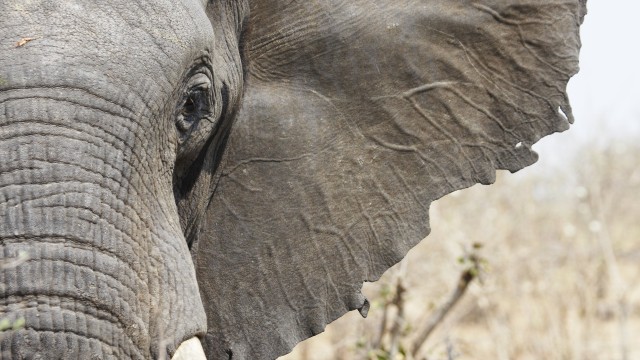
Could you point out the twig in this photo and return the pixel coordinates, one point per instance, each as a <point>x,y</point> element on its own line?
<point>383,327</point>
<point>436,318</point>
<point>396,329</point>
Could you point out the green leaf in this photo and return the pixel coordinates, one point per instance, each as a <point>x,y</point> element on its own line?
<point>19,324</point>
<point>5,324</point>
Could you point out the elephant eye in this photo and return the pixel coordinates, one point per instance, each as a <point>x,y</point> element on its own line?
<point>189,106</point>
<point>196,105</point>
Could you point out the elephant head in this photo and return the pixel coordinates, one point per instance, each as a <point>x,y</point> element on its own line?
<point>234,170</point>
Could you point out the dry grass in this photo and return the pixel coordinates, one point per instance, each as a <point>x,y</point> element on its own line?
<point>561,279</point>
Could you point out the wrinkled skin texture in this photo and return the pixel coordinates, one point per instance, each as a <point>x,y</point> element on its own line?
<point>234,170</point>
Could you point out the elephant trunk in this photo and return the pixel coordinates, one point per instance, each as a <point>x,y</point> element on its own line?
<point>61,215</point>
<point>82,276</point>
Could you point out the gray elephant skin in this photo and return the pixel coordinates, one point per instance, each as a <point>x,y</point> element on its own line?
<point>234,170</point>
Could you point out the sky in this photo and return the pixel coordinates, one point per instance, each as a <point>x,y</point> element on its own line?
<point>605,94</point>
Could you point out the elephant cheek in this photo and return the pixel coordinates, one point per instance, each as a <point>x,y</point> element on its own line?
<point>101,269</point>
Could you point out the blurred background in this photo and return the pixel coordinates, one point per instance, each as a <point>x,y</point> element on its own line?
<point>541,265</point>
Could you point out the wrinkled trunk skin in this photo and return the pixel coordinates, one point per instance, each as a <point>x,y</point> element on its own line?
<point>107,274</point>
<point>88,146</point>
<point>58,210</point>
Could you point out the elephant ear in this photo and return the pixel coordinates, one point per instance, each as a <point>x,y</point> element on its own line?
<point>356,116</point>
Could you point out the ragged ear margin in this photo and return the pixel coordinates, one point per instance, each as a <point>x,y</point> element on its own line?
<point>356,116</point>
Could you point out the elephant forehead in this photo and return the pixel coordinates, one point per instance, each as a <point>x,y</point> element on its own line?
<point>118,40</point>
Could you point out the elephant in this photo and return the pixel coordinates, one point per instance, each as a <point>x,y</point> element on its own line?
<point>228,173</point>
